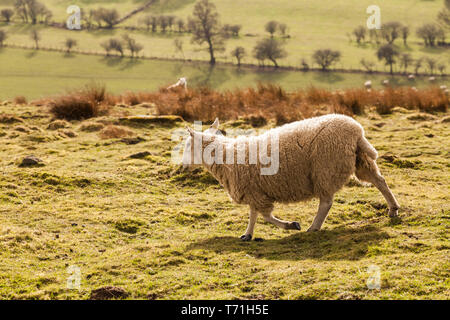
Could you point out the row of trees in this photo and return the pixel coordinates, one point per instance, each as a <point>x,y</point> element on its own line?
<point>431,33</point>
<point>391,56</point>
<point>274,26</point>
<point>29,11</point>
<point>101,18</point>
<point>120,45</point>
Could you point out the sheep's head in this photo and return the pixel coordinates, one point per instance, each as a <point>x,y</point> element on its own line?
<point>193,148</point>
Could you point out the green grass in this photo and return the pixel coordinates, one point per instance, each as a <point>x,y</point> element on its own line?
<point>37,74</point>
<point>311,25</point>
<point>160,234</point>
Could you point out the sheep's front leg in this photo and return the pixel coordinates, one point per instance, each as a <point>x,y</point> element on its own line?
<point>324,208</point>
<point>247,236</point>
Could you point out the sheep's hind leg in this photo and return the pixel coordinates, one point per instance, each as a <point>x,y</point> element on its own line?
<point>324,208</point>
<point>288,225</point>
<point>379,182</point>
<point>247,236</point>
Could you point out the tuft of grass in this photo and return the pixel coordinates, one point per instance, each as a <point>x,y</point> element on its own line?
<point>91,101</point>
<point>20,100</point>
<point>115,132</point>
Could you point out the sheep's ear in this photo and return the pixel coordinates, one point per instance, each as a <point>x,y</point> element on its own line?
<point>191,132</point>
<point>215,125</point>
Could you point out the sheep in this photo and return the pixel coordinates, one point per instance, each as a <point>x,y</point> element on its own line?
<point>316,157</point>
<point>432,79</point>
<point>411,77</point>
<point>182,82</point>
<point>368,84</point>
<point>385,82</point>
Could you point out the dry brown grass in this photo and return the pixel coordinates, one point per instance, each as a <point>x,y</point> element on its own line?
<point>20,100</point>
<point>266,101</point>
<point>115,132</point>
<point>91,101</point>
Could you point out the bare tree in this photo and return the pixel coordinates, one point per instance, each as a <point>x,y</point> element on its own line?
<point>367,65</point>
<point>431,63</point>
<point>239,54</point>
<point>147,21</point>
<point>271,27</point>
<point>36,37</point>
<point>430,32</point>
<point>360,33</point>
<point>32,11</point>
<point>388,53</point>
<point>441,67</point>
<point>3,36</point>
<point>405,61</point>
<point>405,34</point>
<point>205,28</point>
<point>113,45</point>
<point>132,45</point>
<point>444,15</point>
<point>7,14</point>
<point>283,29</point>
<point>163,23</point>
<point>69,44</point>
<point>180,25</point>
<point>418,65</point>
<point>269,49</point>
<point>235,29</point>
<point>326,58</point>
<point>375,35</point>
<point>171,21</point>
<point>178,43</point>
<point>390,31</point>
<point>109,16</point>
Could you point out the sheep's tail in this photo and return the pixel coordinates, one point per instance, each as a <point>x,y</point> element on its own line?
<point>364,146</point>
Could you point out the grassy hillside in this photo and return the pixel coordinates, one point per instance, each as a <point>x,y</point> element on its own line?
<point>311,26</point>
<point>142,225</point>
<point>37,74</point>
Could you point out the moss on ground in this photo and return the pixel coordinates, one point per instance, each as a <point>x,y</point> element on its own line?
<point>159,233</point>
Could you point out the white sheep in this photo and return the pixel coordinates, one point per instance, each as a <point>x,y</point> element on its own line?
<point>368,84</point>
<point>182,82</point>
<point>385,82</point>
<point>316,158</point>
<point>411,77</point>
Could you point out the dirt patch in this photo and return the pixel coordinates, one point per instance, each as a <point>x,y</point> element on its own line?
<point>421,117</point>
<point>115,132</point>
<point>58,124</point>
<point>92,127</point>
<point>109,292</point>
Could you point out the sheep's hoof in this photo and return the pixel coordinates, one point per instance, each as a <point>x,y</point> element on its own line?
<point>393,213</point>
<point>294,225</point>
<point>246,237</point>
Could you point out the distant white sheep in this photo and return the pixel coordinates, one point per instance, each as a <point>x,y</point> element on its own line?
<point>316,158</point>
<point>385,82</point>
<point>368,84</point>
<point>411,77</point>
<point>182,82</point>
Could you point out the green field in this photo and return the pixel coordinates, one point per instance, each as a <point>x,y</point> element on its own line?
<point>312,26</point>
<point>37,74</point>
<point>157,233</point>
